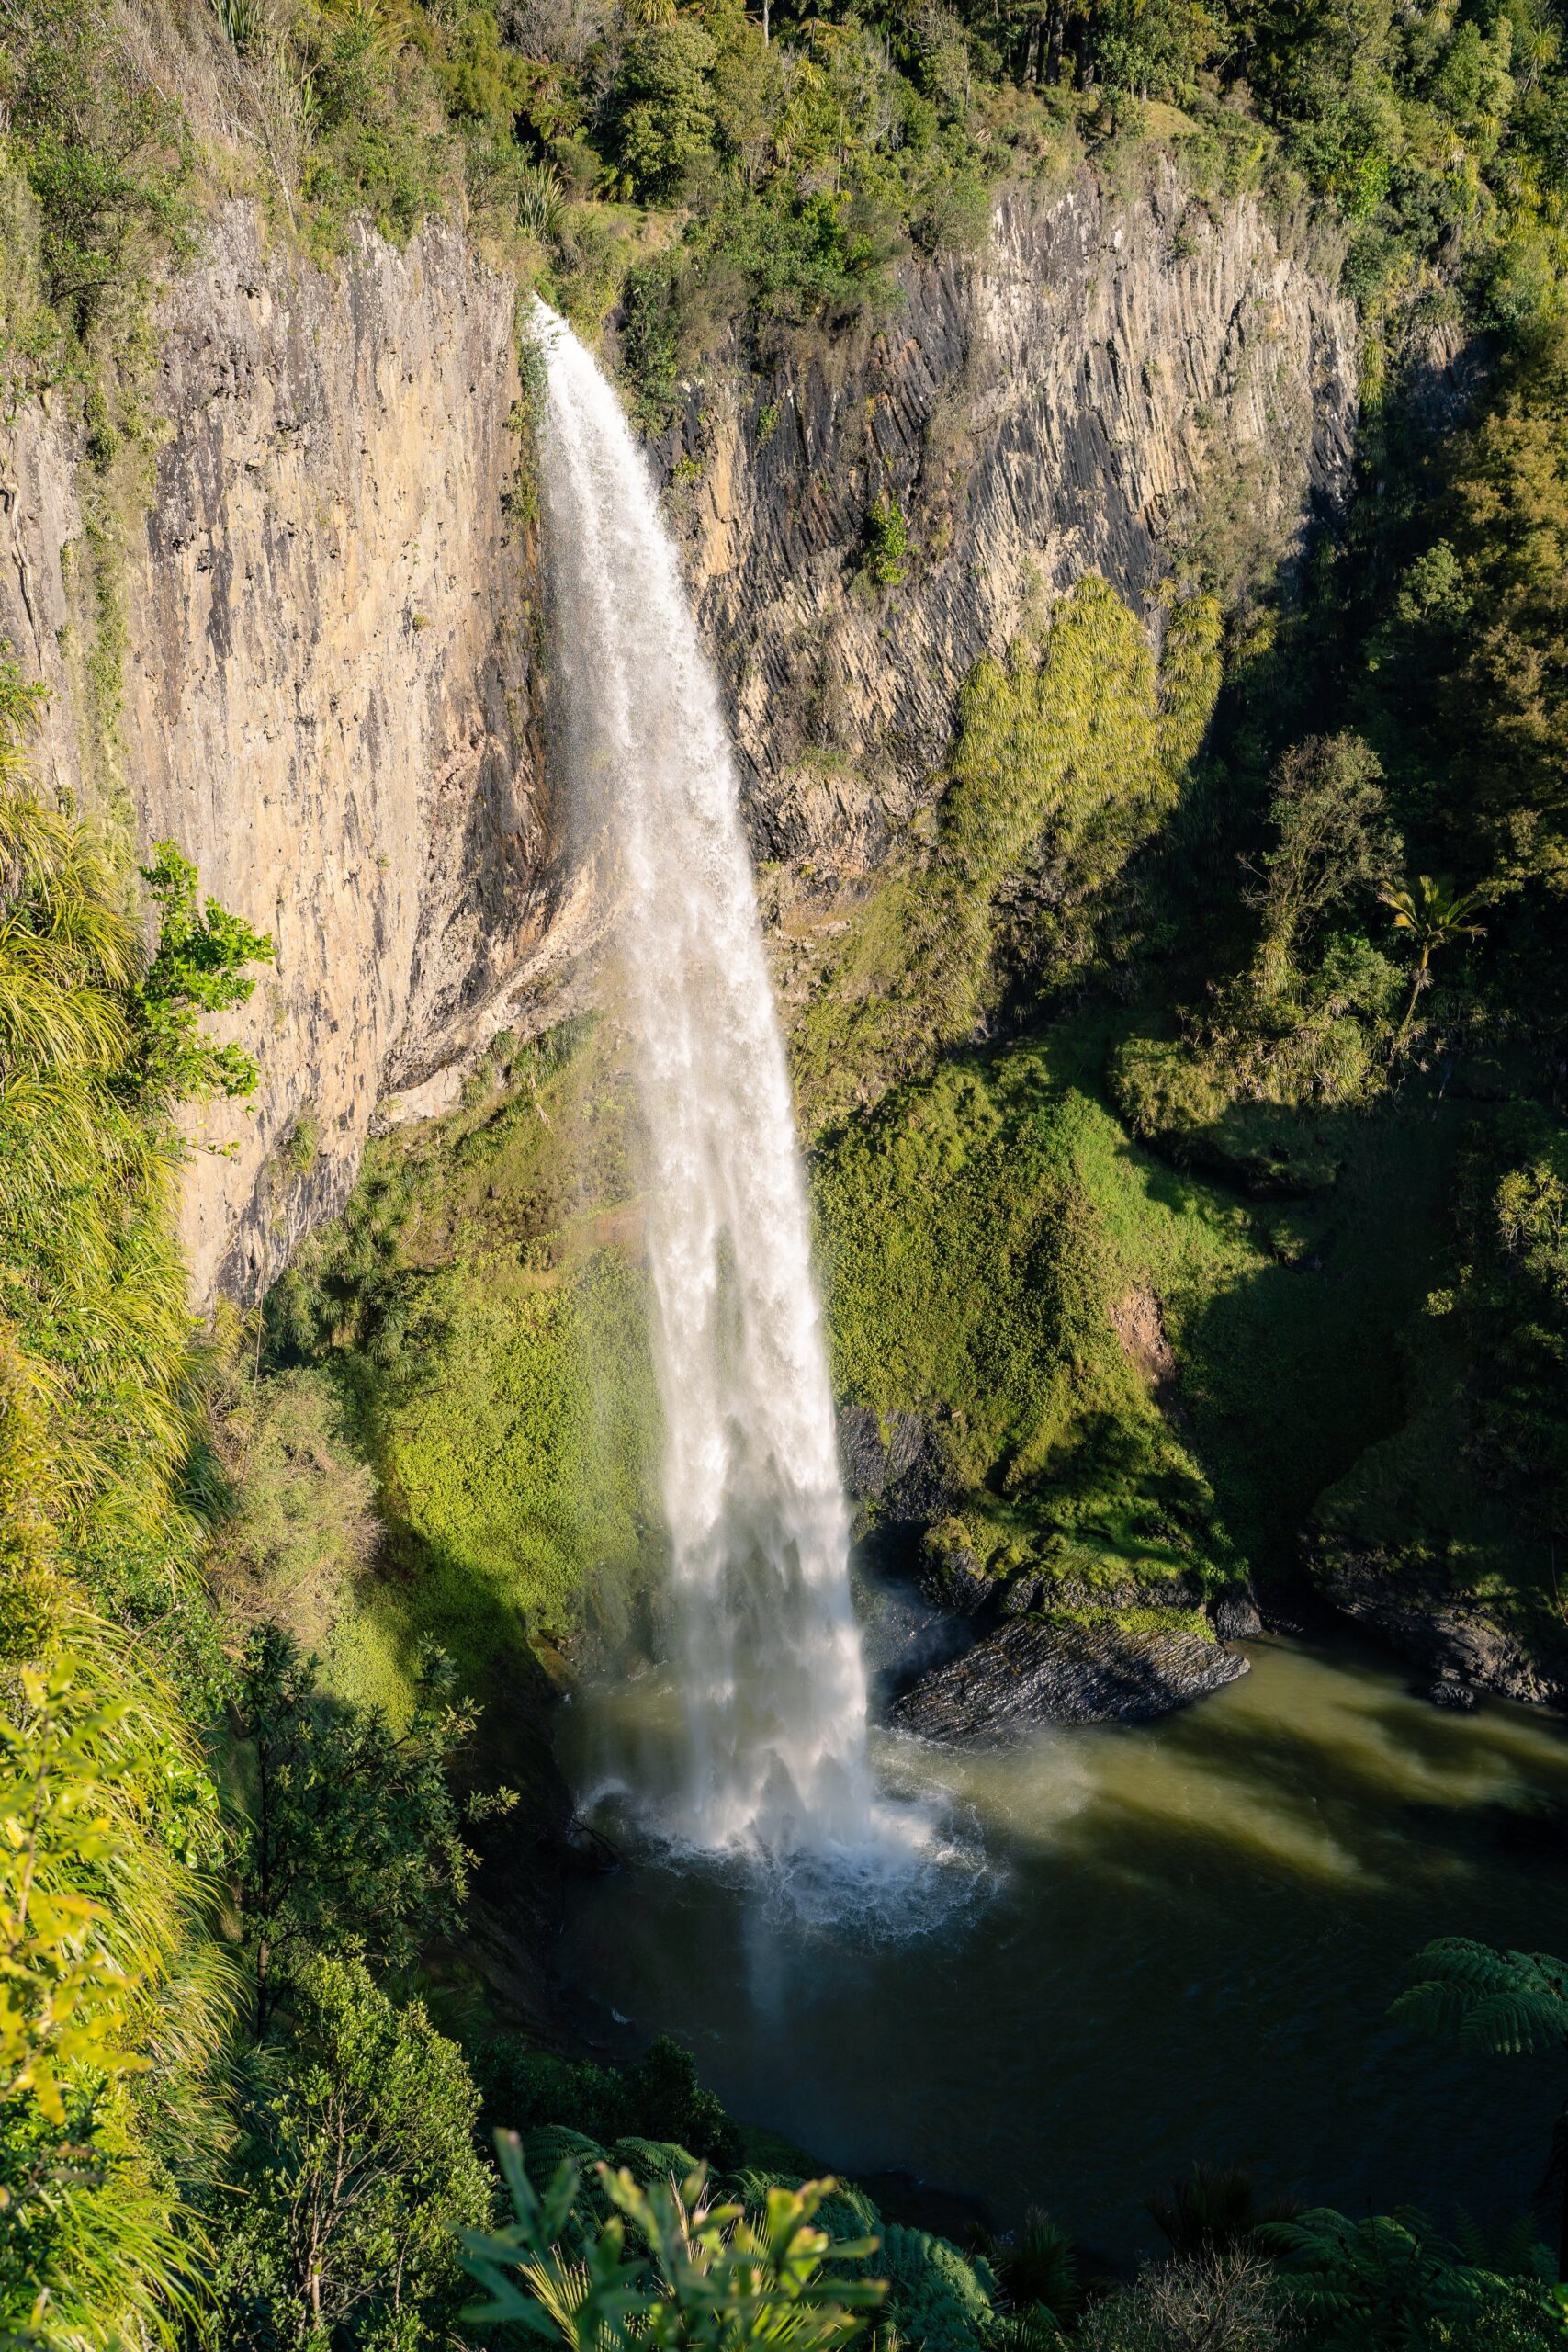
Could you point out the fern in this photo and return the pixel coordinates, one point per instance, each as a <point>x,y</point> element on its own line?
<point>1509,2002</point>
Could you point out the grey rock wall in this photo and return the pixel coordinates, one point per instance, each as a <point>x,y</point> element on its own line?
<point>1113,380</point>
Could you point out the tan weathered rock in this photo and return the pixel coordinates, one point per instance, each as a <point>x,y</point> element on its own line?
<point>328,688</point>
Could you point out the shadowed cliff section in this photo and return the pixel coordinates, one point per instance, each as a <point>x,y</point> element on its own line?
<point>1130,384</point>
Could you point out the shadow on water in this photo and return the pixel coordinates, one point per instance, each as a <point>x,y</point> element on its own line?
<point>1146,1946</point>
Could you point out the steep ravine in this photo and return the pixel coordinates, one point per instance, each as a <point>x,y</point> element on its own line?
<point>332,606</point>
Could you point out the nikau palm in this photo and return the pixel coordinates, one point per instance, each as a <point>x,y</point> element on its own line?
<point>1434,915</point>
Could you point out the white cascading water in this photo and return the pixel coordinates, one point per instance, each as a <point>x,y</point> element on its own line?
<point>771,1676</point>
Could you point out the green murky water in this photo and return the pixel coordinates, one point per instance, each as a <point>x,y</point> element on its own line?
<point>1129,1949</point>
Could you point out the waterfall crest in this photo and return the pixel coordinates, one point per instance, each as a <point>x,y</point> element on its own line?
<point>771,1676</point>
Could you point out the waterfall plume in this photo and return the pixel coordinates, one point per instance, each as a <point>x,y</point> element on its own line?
<point>771,1679</point>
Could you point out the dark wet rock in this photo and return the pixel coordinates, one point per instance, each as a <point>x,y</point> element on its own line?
<point>893,1468</point>
<point>1448,1691</point>
<point>1451,1636</point>
<point>951,1577</point>
<point>584,1852</point>
<point>1042,1670</point>
<point>1233,1612</point>
<point>902,1636</point>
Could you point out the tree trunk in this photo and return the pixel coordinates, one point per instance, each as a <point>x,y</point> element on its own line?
<point>1417,985</point>
<point>1053,43</point>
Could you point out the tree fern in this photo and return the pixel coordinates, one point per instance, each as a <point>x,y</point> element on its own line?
<point>1509,2002</point>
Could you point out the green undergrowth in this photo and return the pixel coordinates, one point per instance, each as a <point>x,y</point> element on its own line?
<point>1068,755</point>
<point>1465,1495</point>
<point>1001,1258</point>
<point>1136,1375</point>
<point>484,1326</point>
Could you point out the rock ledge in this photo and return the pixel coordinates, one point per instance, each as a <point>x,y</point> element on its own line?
<point>1034,1670</point>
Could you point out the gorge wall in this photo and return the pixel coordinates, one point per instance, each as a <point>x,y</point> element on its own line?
<point>330,681</point>
<point>1116,382</point>
<point>329,622</point>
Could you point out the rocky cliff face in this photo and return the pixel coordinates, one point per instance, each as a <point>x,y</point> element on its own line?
<point>1113,384</point>
<point>328,684</point>
<point>329,620</point>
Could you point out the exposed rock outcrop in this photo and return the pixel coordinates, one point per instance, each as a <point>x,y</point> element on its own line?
<point>330,614</point>
<point>1045,1670</point>
<point>327,686</point>
<point>1114,379</point>
<point>1456,1643</point>
<point>893,1468</point>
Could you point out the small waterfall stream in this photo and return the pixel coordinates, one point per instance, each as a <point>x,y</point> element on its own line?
<point>771,1674</point>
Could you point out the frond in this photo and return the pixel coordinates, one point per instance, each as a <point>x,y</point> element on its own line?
<point>1506,2002</point>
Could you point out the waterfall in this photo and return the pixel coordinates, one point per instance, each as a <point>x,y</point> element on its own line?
<point>771,1679</point>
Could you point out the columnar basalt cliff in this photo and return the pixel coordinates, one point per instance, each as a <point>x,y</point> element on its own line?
<point>328,690</point>
<point>327,686</point>
<point>1116,382</point>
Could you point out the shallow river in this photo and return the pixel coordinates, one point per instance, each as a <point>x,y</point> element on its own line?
<point>1126,1948</point>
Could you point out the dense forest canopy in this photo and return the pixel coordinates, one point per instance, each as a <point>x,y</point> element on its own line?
<point>1286,898</point>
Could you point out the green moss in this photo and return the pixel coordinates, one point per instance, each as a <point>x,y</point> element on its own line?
<point>479,1309</point>
<point>1134,1622</point>
<point>1067,756</point>
<point>977,1233</point>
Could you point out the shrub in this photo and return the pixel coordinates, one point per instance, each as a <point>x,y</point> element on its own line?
<point>352,1828</point>
<point>1225,2302</point>
<point>106,153</point>
<point>658,2098</point>
<point>301,1520</point>
<point>701,2274</point>
<point>198,968</point>
<point>886,542</point>
<point>664,105</point>
<point>938,2302</point>
<point>360,2169</point>
<point>1163,1086</point>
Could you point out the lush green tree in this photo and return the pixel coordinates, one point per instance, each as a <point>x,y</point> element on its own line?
<point>1432,915</point>
<point>1390,2281</point>
<point>351,1828</point>
<point>660,2098</point>
<point>665,105</point>
<point>1508,692</point>
<point>105,151</point>
<point>1333,848</point>
<point>358,2169</point>
<point>197,968</point>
